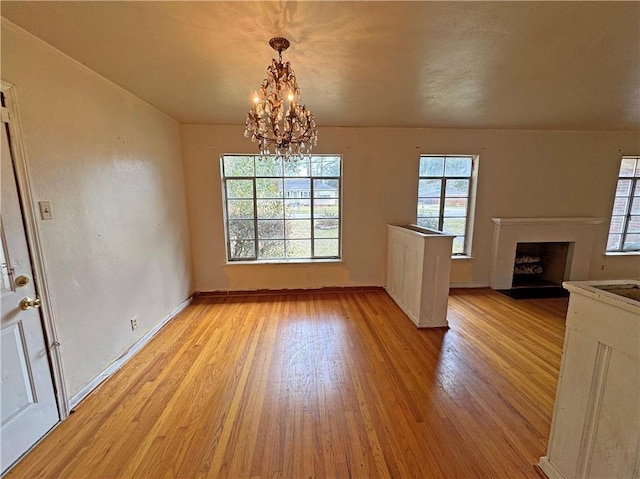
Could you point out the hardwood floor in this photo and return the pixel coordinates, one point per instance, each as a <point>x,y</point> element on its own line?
<point>322,386</point>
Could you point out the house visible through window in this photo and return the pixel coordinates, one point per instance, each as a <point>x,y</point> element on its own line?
<point>445,196</point>
<point>281,210</point>
<point>624,231</point>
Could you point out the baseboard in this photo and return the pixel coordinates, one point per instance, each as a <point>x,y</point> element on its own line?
<point>548,469</point>
<point>468,285</point>
<point>118,363</point>
<point>325,290</point>
<point>272,292</point>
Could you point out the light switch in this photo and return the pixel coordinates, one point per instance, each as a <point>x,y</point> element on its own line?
<point>45,210</point>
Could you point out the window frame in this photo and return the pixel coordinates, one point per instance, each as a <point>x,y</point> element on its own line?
<point>471,197</point>
<point>256,259</point>
<point>634,188</point>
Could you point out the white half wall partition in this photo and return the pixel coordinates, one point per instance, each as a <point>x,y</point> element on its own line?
<point>418,273</point>
<point>595,430</point>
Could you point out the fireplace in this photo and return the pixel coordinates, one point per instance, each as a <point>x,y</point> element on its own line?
<point>571,242</point>
<point>540,265</point>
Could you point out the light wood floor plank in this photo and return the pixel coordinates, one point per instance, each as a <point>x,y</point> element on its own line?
<point>322,385</point>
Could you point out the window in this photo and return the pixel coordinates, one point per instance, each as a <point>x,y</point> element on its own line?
<point>279,210</point>
<point>624,232</point>
<point>445,199</point>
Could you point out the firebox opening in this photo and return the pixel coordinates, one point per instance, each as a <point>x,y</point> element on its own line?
<point>540,264</point>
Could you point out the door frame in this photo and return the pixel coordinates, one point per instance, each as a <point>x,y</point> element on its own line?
<point>47,314</point>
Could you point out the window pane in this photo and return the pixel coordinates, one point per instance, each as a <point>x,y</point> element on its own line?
<point>458,245</point>
<point>431,223</point>
<point>631,242</point>
<point>326,188</point>
<point>325,165</point>
<point>454,225</point>
<point>270,208</point>
<point>296,167</point>
<point>457,188</point>
<point>299,248</point>
<point>457,166</point>
<point>623,188</point>
<point>326,228</point>
<point>455,207</point>
<point>628,166</point>
<point>239,189</point>
<point>271,249</point>
<point>613,242</point>
<point>429,188</point>
<point>279,195</point>
<point>456,173</point>
<point>325,209</point>
<point>241,229</point>
<point>326,247</point>
<point>268,188</point>
<point>620,206</point>
<point>269,166</point>
<point>242,249</point>
<point>634,224</point>
<point>297,188</point>
<point>297,229</point>
<point>300,208</point>
<point>428,207</point>
<point>270,229</point>
<point>238,166</point>
<point>431,166</point>
<point>617,224</point>
<point>635,205</point>
<point>239,209</point>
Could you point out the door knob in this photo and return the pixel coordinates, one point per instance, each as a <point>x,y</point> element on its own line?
<point>28,303</point>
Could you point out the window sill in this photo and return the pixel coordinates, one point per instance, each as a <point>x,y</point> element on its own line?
<point>285,262</point>
<point>622,253</point>
<point>461,256</point>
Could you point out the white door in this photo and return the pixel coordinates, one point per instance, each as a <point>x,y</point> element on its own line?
<point>28,404</point>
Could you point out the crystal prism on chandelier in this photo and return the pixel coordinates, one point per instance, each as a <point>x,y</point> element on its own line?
<point>278,122</point>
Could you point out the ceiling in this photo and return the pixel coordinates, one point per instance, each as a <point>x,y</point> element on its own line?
<point>512,65</point>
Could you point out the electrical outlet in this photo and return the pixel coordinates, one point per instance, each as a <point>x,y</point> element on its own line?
<point>134,323</point>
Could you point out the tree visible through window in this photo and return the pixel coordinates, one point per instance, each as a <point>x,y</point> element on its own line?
<point>624,231</point>
<point>444,196</point>
<point>281,210</point>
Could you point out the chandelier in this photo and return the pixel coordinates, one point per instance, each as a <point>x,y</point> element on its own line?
<point>278,122</point>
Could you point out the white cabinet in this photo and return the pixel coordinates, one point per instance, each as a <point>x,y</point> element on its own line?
<point>418,270</point>
<point>595,431</point>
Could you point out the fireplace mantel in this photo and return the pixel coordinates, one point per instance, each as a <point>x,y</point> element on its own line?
<point>508,232</point>
<point>545,221</point>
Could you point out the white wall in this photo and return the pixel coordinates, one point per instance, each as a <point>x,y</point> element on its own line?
<point>111,167</point>
<point>521,174</point>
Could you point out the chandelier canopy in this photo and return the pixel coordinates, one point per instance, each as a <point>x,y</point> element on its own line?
<point>278,122</point>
